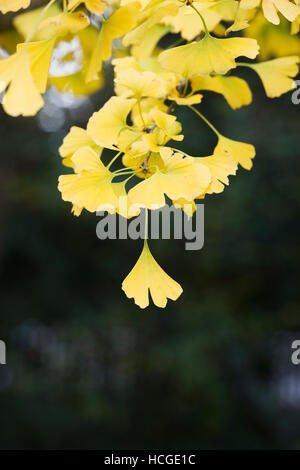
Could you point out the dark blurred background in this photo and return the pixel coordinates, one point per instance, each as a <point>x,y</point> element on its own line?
<point>86,368</point>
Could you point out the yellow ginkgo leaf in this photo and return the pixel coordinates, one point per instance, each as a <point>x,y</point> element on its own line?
<point>186,21</point>
<point>188,207</point>
<point>105,125</point>
<point>65,23</point>
<point>74,140</point>
<point>221,165</point>
<point>94,6</point>
<point>146,107</point>
<point>7,70</point>
<point>22,96</point>
<point>235,90</point>
<point>74,56</point>
<point>187,100</point>
<point>25,23</point>
<point>141,145</point>
<point>204,176</point>
<point>13,5</point>
<point>243,16</point>
<point>76,84</point>
<point>179,178</point>
<point>25,73</point>
<point>136,163</point>
<point>146,46</point>
<point>144,3</point>
<point>295,26</point>
<point>91,187</point>
<point>208,55</point>
<point>87,159</point>
<point>227,10</point>
<point>153,15</point>
<point>40,53</point>
<point>276,74</point>
<point>274,41</point>
<point>86,162</point>
<point>242,152</point>
<point>114,27</point>
<point>287,8</point>
<point>148,275</point>
<point>238,25</point>
<point>127,139</point>
<point>76,210</point>
<point>131,83</point>
<point>249,4</point>
<point>167,126</point>
<point>125,208</point>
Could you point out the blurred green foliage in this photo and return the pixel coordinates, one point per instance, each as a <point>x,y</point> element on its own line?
<point>87,369</point>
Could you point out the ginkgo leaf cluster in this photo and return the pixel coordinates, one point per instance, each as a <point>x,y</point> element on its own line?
<point>163,55</point>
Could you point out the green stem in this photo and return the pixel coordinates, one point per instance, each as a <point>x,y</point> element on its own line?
<point>176,43</point>
<point>243,64</point>
<point>201,17</point>
<point>140,112</point>
<point>127,179</point>
<point>77,5</point>
<point>123,174</point>
<point>205,120</point>
<point>43,12</point>
<point>185,86</point>
<point>179,151</point>
<point>146,227</point>
<point>123,171</point>
<point>113,160</point>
